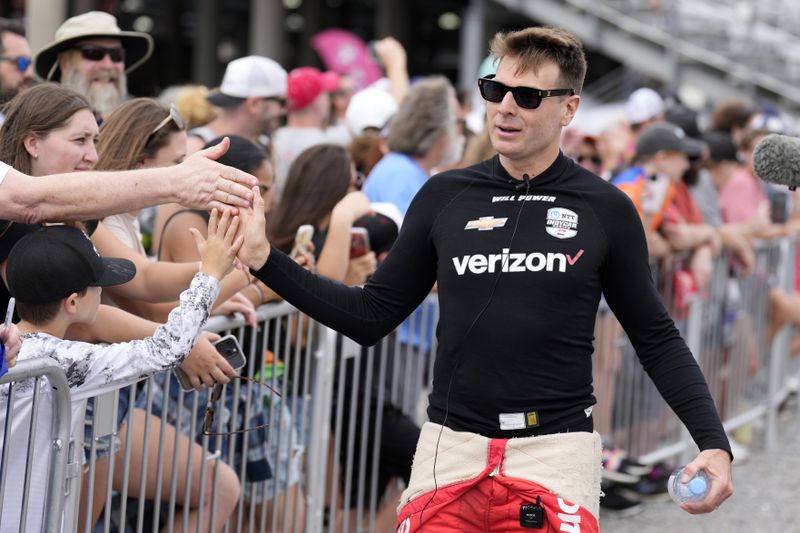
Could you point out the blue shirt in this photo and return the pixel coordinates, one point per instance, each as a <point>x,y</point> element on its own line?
<point>396,179</point>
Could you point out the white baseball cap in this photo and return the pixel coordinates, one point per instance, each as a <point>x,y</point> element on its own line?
<point>250,76</point>
<point>369,108</point>
<point>643,104</point>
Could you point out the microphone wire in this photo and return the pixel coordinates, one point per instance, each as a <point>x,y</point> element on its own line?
<point>527,184</point>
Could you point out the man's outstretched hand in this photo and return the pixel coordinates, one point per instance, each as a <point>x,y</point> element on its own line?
<point>202,183</point>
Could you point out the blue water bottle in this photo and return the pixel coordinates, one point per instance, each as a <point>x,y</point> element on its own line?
<point>693,491</point>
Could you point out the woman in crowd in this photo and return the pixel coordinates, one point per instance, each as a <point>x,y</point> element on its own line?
<point>322,189</point>
<point>50,129</point>
<point>64,141</point>
<point>141,133</point>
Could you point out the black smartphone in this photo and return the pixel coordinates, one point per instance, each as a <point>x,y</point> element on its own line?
<point>229,348</point>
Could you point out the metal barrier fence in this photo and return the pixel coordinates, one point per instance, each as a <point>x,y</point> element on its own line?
<point>728,331</point>
<point>340,436</point>
<point>14,435</point>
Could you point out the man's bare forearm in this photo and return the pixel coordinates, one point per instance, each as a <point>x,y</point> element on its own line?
<point>81,195</point>
<point>199,182</point>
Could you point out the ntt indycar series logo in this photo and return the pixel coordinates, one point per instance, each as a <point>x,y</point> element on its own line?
<point>561,223</point>
<point>508,261</point>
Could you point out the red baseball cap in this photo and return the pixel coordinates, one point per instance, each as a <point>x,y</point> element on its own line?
<point>305,84</point>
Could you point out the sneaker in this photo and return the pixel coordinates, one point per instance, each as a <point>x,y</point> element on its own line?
<point>615,503</point>
<point>647,490</point>
<point>617,467</point>
<point>651,487</point>
<point>660,470</point>
<point>740,452</point>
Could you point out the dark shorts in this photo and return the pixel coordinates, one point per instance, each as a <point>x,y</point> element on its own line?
<point>106,443</point>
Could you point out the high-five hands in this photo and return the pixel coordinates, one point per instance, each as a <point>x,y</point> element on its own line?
<point>202,183</point>
<point>255,246</point>
<point>218,250</point>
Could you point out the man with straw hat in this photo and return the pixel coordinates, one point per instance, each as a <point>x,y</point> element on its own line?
<point>91,55</point>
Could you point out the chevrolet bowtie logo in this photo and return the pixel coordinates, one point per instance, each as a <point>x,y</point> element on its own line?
<point>486,223</point>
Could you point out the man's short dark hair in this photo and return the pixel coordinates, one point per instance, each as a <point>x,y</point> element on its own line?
<point>12,26</point>
<point>533,47</point>
<point>41,314</point>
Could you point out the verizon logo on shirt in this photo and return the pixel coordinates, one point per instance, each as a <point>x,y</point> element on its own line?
<point>515,262</point>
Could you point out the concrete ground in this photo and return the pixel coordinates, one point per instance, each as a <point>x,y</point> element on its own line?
<point>766,486</point>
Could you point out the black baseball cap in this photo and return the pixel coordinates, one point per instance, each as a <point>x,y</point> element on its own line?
<point>52,262</point>
<point>382,231</point>
<point>721,146</point>
<point>685,119</point>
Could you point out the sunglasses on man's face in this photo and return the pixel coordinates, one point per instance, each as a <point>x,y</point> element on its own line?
<point>22,62</point>
<point>216,395</point>
<point>94,52</point>
<point>526,97</point>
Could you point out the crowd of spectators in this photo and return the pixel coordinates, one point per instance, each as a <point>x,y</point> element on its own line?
<point>332,155</point>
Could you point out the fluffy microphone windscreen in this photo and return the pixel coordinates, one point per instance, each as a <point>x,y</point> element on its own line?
<point>776,159</point>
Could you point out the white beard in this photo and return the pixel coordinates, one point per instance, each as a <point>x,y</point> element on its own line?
<point>103,99</point>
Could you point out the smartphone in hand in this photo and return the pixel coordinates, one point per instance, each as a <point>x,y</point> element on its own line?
<point>229,348</point>
<point>359,242</point>
<point>302,239</point>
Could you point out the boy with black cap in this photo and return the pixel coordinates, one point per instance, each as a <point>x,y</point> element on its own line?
<point>56,276</point>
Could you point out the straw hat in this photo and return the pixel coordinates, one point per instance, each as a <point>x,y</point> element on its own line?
<point>138,46</point>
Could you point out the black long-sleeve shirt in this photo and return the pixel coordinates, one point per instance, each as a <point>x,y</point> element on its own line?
<point>520,273</point>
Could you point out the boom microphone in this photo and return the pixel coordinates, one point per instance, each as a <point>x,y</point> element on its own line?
<point>776,159</point>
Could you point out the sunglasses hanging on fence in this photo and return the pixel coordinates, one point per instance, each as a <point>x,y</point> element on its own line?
<point>216,395</point>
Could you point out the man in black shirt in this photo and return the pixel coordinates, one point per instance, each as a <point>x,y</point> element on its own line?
<point>521,246</point>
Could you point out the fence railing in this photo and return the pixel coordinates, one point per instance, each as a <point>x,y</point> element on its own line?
<point>341,435</point>
<point>21,433</point>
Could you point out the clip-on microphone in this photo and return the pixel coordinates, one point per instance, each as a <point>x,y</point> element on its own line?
<point>524,185</point>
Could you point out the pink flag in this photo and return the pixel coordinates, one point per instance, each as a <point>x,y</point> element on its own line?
<point>347,53</point>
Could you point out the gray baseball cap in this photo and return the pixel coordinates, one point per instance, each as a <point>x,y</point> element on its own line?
<point>667,136</point>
